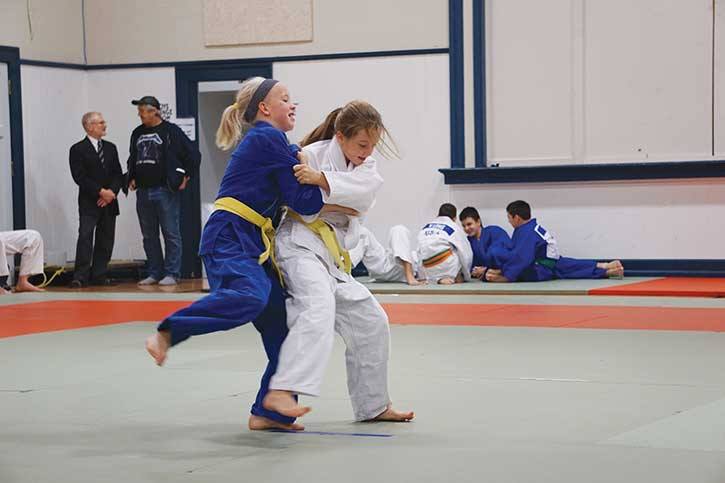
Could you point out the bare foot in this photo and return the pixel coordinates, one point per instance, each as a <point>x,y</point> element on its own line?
<point>617,272</point>
<point>259,423</point>
<point>3,291</point>
<point>415,281</point>
<point>391,414</point>
<point>25,286</point>
<point>446,281</point>
<point>282,402</point>
<point>158,345</point>
<point>495,276</point>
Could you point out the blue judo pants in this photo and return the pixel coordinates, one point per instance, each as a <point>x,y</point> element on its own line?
<point>241,291</point>
<point>565,268</point>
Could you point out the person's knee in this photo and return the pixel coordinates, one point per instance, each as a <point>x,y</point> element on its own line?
<point>36,240</point>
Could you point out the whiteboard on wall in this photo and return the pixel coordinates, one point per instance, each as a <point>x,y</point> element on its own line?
<point>234,22</point>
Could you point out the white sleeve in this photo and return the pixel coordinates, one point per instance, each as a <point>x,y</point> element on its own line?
<point>354,189</point>
<point>314,160</point>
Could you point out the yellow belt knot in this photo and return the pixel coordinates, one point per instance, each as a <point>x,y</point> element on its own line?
<point>340,256</point>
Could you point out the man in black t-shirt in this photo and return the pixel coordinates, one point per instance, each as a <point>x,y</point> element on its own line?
<point>161,162</point>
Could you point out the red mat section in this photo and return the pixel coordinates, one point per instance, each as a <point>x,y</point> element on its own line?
<point>669,287</point>
<point>71,314</point>
<point>62,315</point>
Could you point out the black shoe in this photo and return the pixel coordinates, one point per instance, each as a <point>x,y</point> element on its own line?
<point>76,284</point>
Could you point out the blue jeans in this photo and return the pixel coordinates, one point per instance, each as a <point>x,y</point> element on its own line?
<point>160,207</point>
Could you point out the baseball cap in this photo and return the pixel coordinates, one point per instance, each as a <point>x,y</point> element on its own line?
<point>147,101</point>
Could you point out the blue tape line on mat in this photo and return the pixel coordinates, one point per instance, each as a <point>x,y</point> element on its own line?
<point>329,433</point>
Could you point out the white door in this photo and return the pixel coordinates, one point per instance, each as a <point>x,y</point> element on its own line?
<point>6,180</point>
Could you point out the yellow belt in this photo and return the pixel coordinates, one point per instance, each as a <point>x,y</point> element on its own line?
<point>328,237</point>
<point>235,206</point>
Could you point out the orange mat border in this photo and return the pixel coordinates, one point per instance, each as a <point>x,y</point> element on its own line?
<point>669,287</point>
<point>22,319</point>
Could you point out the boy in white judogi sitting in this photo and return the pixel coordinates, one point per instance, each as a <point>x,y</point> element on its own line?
<point>443,249</point>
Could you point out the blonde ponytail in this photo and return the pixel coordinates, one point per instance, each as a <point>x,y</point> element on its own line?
<point>233,126</point>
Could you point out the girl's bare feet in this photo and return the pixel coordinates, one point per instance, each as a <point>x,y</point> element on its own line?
<point>259,423</point>
<point>158,345</point>
<point>446,281</point>
<point>392,415</point>
<point>3,291</point>
<point>282,402</point>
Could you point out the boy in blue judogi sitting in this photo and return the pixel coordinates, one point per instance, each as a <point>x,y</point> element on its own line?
<point>482,240</point>
<point>534,255</point>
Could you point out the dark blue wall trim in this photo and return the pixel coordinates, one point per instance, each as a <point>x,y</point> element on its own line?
<point>188,77</point>
<point>58,65</point>
<point>674,268</point>
<point>455,59</point>
<point>646,268</point>
<point>479,81</point>
<point>586,172</point>
<point>11,56</point>
<point>258,60</point>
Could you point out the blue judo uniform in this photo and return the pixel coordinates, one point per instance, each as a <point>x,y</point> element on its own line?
<point>260,175</point>
<point>491,236</point>
<point>534,257</point>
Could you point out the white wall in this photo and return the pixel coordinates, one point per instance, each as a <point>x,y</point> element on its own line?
<point>599,81</point>
<point>57,29</point>
<point>54,101</point>
<point>6,180</point>
<point>643,219</point>
<point>167,30</point>
<point>111,92</point>
<point>411,94</point>
<point>720,79</point>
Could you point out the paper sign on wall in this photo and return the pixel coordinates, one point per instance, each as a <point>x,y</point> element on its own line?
<point>187,124</point>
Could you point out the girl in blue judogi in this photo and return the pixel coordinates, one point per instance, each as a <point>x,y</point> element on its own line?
<point>237,242</point>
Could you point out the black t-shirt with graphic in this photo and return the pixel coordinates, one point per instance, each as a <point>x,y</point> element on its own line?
<point>147,162</point>
<point>161,156</point>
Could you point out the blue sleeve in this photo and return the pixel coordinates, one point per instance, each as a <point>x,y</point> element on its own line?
<point>500,237</point>
<point>303,198</point>
<point>521,256</point>
<point>476,249</point>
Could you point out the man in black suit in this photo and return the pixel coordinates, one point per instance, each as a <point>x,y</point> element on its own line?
<point>97,172</point>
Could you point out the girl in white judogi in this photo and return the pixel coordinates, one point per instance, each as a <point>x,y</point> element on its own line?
<point>29,244</point>
<point>323,296</point>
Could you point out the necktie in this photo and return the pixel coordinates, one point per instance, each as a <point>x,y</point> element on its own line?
<point>100,153</point>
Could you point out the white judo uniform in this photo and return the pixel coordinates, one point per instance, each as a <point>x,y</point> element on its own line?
<point>384,264</point>
<point>444,250</point>
<point>324,299</point>
<point>29,244</point>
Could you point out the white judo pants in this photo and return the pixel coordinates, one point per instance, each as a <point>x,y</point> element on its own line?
<point>324,300</point>
<point>450,267</point>
<point>29,244</point>
<point>384,265</point>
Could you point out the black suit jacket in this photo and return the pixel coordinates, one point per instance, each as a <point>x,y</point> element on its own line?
<point>90,175</point>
